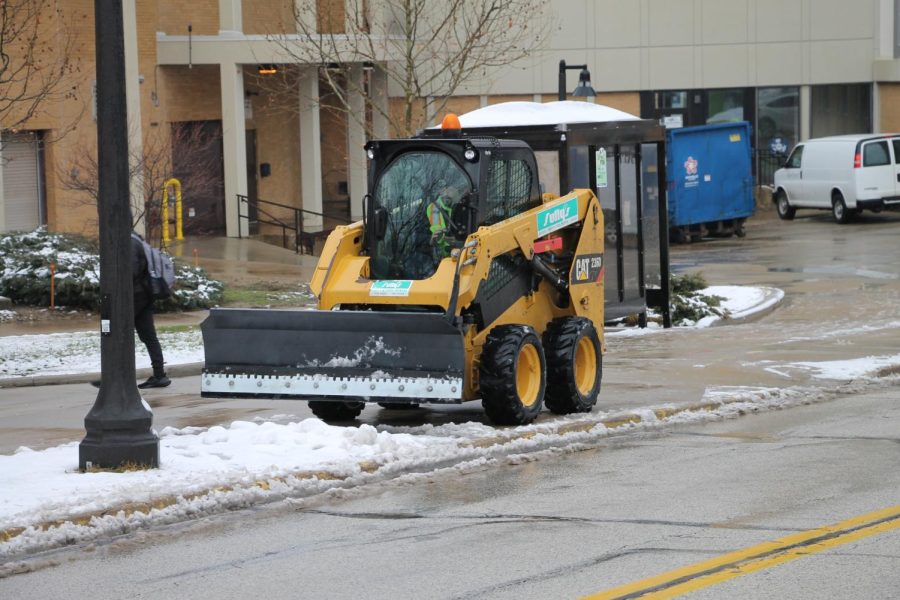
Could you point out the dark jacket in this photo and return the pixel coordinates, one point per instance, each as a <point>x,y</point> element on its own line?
<point>138,267</point>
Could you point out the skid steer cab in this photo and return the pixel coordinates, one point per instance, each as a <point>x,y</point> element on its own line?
<point>460,283</point>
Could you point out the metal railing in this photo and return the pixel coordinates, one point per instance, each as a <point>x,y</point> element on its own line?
<point>257,213</point>
<point>767,162</point>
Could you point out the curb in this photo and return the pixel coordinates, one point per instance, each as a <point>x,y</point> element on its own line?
<point>179,370</point>
<point>613,423</point>
<point>773,298</point>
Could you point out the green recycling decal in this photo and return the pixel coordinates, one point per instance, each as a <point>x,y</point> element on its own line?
<point>557,216</point>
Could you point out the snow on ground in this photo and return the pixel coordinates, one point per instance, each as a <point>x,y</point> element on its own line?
<point>204,471</point>
<point>841,370</point>
<point>208,470</point>
<point>79,352</point>
<point>741,301</point>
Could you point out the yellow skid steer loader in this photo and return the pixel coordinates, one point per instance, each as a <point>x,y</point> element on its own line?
<point>461,282</point>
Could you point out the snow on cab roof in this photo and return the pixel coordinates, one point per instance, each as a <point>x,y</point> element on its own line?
<point>511,114</point>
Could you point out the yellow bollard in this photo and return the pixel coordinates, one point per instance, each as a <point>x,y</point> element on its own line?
<point>164,218</point>
<point>179,232</point>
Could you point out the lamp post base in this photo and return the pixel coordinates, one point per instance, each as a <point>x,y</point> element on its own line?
<point>117,448</point>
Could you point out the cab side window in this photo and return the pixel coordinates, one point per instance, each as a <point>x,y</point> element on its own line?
<point>896,152</point>
<point>875,154</point>
<point>793,162</point>
<point>509,190</point>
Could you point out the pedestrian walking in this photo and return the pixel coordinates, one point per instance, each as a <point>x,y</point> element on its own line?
<point>143,314</point>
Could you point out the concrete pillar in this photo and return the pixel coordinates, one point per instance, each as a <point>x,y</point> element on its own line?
<point>380,103</point>
<point>356,139</point>
<point>231,16</point>
<point>310,148</point>
<point>805,112</point>
<point>234,148</point>
<point>876,108</point>
<point>133,106</point>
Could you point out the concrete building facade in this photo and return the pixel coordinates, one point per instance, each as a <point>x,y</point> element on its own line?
<point>794,68</point>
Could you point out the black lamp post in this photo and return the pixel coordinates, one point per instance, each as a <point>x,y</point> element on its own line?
<point>118,426</point>
<point>583,89</point>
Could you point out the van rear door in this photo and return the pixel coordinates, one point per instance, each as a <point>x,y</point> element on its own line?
<point>878,176</point>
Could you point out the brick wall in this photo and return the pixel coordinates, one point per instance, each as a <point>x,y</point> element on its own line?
<point>890,106</point>
<point>268,16</point>
<point>175,15</point>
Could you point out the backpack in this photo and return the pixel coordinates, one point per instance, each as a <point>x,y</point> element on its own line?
<point>160,271</point>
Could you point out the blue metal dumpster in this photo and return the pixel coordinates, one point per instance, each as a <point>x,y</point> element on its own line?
<point>710,183</point>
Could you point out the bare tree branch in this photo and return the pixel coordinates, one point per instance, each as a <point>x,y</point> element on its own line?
<point>35,65</point>
<point>428,50</point>
<point>155,164</point>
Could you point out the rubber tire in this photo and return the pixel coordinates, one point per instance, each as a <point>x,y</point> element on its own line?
<point>561,341</point>
<point>498,375</point>
<point>842,215</point>
<point>335,410</point>
<point>785,211</point>
<point>399,405</point>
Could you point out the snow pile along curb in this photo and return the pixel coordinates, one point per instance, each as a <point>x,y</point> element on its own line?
<point>69,508</point>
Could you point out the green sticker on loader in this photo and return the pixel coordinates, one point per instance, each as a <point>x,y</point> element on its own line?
<point>557,216</point>
<point>390,287</point>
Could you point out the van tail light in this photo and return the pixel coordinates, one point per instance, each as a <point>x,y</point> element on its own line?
<point>857,161</point>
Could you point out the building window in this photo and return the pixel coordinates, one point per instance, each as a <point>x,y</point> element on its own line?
<point>671,100</point>
<point>725,106</point>
<point>778,118</point>
<point>841,109</point>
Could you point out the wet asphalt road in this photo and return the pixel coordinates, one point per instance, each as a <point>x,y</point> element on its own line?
<point>574,523</point>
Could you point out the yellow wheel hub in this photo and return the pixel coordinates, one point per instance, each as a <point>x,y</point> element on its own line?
<point>585,365</point>
<point>528,375</point>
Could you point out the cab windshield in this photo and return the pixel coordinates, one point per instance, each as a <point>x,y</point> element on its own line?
<point>418,190</point>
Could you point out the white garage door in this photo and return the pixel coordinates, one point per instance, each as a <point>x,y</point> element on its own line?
<point>22,185</point>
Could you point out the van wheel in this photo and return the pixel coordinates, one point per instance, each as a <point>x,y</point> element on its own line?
<point>786,212</point>
<point>839,209</point>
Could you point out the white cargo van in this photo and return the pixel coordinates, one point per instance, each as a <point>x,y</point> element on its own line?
<point>844,174</point>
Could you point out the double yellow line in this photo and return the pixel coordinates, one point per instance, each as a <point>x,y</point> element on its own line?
<point>769,554</point>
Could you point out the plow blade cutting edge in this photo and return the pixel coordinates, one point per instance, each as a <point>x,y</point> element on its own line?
<point>341,354</point>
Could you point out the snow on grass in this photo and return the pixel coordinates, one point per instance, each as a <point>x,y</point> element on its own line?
<point>79,352</point>
<point>740,301</point>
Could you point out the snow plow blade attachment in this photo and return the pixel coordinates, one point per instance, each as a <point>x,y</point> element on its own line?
<point>342,354</point>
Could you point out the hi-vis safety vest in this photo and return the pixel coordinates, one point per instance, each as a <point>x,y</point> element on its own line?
<point>436,221</point>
